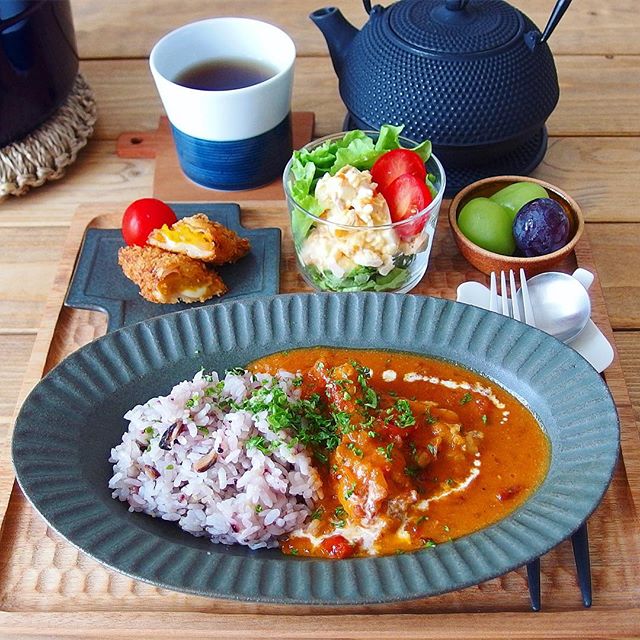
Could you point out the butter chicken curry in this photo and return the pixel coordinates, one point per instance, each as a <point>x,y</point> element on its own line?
<point>412,451</point>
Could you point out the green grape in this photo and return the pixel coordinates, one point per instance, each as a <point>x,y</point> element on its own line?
<point>488,225</point>
<point>516,195</point>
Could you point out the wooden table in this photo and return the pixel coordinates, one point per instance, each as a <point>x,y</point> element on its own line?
<point>594,150</point>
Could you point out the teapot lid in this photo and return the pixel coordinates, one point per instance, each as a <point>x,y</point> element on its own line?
<point>454,27</point>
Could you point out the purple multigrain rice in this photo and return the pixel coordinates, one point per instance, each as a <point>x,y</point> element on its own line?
<point>247,495</point>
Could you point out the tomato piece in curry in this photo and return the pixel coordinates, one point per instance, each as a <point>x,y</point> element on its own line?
<point>418,451</point>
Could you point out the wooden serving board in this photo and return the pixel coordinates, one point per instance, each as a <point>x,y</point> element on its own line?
<point>49,588</point>
<point>169,183</point>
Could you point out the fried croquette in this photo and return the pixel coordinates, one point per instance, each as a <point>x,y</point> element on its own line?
<point>168,278</point>
<point>201,239</point>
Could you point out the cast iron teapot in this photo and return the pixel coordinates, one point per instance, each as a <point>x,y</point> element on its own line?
<point>476,77</point>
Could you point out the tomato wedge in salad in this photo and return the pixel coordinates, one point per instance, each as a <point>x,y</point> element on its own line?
<point>393,164</point>
<point>406,196</point>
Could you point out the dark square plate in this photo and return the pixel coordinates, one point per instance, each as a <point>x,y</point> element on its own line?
<point>98,283</point>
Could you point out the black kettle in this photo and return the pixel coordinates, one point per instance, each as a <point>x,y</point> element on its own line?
<point>476,77</point>
<point>38,63</point>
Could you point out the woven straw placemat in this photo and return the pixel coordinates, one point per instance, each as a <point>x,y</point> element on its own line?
<point>45,153</point>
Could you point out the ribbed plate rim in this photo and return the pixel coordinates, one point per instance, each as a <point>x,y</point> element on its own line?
<point>472,559</point>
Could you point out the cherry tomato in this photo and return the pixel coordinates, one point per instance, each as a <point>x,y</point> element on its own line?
<point>406,196</point>
<point>337,547</point>
<point>142,217</point>
<point>394,164</point>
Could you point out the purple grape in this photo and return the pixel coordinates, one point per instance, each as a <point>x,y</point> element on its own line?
<point>540,227</point>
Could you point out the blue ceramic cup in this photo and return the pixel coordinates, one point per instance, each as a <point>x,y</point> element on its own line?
<point>228,139</point>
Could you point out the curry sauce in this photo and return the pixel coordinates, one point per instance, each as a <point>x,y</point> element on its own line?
<point>416,451</point>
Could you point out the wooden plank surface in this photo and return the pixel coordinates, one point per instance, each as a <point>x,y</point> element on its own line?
<point>42,573</point>
<point>575,625</point>
<point>628,343</point>
<point>129,29</point>
<point>602,186</point>
<point>603,90</point>
<point>24,289</point>
<point>594,154</point>
<point>616,249</point>
<point>15,350</point>
<point>98,175</point>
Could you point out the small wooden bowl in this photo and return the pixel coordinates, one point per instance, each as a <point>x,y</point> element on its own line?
<point>487,261</point>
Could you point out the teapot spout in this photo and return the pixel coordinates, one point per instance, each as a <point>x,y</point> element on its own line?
<point>337,31</point>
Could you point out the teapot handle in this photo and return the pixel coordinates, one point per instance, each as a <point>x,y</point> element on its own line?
<point>558,11</point>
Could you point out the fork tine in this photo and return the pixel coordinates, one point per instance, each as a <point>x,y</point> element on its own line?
<point>514,298</point>
<point>493,293</point>
<point>529,317</point>
<point>505,295</point>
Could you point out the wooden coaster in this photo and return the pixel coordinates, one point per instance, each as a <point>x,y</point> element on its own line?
<point>169,183</point>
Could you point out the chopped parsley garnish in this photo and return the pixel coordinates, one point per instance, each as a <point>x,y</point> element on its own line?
<point>317,513</point>
<point>484,418</point>
<point>370,398</point>
<point>339,524</point>
<point>192,401</point>
<point>321,456</point>
<point>372,434</point>
<point>261,444</point>
<point>296,382</point>
<point>149,430</point>
<point>349,492</point>
<point>421,519</point>
<point>467,397</point>
<point>367,423</point>
<point>404,416</point>
<point>343,422</point>
<point>412,472</point>
<point>450,482</point>
<point>446,527</point>
<point>169,467</point>
<point>355,449</point>
<point>293,552</point>
<point>236,371</point>
<point>433,450</point>
<point>430,419</point>
<point>259,508</point>
<point>386,451</point>
<point>429,544</point>
<point>340,512</point>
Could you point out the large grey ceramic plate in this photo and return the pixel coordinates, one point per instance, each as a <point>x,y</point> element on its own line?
<point>73,417</point>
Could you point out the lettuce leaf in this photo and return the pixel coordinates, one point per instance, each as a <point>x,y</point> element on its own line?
<point>388,138</point>
<point>359,279</point>
<point>355,148</point>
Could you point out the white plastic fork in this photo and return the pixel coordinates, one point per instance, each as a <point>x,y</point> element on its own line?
<point>510,306</point>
